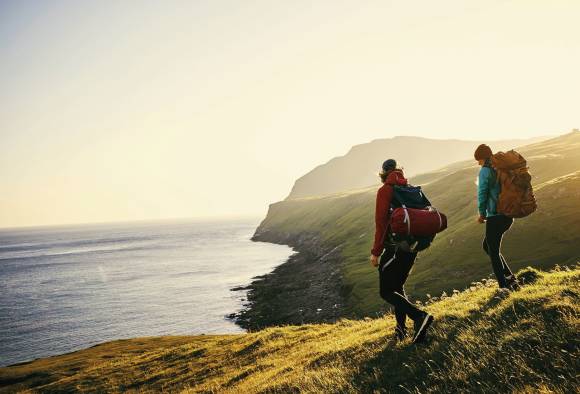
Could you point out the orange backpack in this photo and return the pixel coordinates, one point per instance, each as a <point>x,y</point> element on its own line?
<point>516,198</point>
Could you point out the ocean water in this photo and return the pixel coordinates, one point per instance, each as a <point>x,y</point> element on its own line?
<point>70,287</point>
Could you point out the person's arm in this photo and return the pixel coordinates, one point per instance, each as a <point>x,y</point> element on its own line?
<point>483,191</point>
<point>383,204</point>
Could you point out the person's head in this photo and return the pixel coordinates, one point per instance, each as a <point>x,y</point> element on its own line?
<point>482,154</point>
<point>388,166</point>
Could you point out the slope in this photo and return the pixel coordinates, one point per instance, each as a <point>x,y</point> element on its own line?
<point>481,341</point>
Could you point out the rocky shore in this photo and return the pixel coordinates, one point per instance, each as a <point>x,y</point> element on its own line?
<point>305,289</point>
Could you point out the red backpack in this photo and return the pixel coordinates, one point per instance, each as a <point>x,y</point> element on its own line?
<point>413,218</point>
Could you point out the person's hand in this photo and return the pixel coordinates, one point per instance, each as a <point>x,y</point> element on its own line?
<point>374,260</point>
<point>481,219</point>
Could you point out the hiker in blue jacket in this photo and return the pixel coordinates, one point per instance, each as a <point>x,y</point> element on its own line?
<point>496,224</point>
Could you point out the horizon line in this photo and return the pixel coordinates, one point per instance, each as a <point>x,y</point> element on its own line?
<point>150,220</point>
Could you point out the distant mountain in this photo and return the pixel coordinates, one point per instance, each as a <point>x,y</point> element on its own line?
<point>359,167</point>
<point>334,234</point>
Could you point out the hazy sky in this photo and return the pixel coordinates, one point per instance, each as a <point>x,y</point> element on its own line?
<point>122,110</point>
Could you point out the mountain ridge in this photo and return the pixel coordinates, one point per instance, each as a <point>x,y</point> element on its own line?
<point>353,169</point>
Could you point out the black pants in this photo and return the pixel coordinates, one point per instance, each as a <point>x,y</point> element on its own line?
<point>394,268</point>
<point>495,227</point>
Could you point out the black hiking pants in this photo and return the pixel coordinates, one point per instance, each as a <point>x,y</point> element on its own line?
<point>495,227</point>
<point>394,267</point>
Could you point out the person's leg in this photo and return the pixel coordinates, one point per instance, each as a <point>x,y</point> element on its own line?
<point>424,320</point>
<point>506,269</point>
<point>494,229</point>
<point>400,314</point>
<point>389,282</point>
<point>484,245</point>
<point>510,277</point>
<point>408,258</point>
<point>402,304</point>
<point>393,274</point>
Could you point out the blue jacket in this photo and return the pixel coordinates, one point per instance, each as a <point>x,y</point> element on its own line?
<point>488,189</point>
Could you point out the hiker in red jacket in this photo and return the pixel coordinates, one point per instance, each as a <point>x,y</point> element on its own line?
<point>396,262</point>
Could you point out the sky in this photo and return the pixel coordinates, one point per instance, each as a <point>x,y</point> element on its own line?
<point>137,110</point>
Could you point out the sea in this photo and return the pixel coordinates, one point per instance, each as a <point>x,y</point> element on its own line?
<point>66,288</point>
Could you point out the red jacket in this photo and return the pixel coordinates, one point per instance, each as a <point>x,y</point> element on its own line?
<point>382,215</point>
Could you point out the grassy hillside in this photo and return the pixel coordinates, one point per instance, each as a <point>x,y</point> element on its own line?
<point>346,220</point>
<point>359,167</point>
<point>481,341</point>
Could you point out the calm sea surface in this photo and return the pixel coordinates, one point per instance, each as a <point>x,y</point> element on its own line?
<point>67,288</point>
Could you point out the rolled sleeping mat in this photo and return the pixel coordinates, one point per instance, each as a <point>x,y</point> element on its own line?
<point>411,221</point>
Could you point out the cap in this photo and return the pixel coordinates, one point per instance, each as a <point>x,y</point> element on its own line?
<point>388,165</point>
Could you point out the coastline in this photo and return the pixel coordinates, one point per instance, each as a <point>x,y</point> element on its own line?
<point>100,283</point>
<point>304,289</point>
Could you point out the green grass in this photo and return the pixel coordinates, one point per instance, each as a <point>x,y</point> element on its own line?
<point>549,236</point>
<point>481,341</point>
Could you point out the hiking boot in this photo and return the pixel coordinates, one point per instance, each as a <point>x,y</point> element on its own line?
<point>513,283</point>
<point>502,293</point>
<point>421,326</point>
<point>400,333</point>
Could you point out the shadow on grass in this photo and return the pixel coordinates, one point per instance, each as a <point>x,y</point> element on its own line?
<point>526,345</point>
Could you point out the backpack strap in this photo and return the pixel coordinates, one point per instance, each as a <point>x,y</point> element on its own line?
<point>407,219</point>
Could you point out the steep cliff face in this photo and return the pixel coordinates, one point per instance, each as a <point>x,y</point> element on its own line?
<point>305,289</point>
